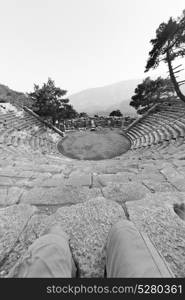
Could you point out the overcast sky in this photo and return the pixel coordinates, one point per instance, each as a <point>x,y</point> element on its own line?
<point>78,43</point>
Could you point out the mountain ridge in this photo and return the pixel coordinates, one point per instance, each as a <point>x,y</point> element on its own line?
<point>102,100</point>
<point>98,100</point>
<point>106,98</point>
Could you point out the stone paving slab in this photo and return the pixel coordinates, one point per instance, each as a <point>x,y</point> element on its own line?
<point>129,191</point>
<point>40,168</point>
<point>49,182</point>
<point>78,179</point>
<point>13,220</point>
<point>10,196</point>
<point>59,195</point>
<point>154,176</point>
<point>158,186</point>
<point>155,216</point>
<point>178,162</point>
<point>179,183</point>
<point>171,173</point>
<point>9,172</point>
<point>159,199</point>
<point>6,181</point>
<point>87,225</point>
<point>113,168</point>
<point>106,179</point>
<point>174,177</point>
<point>40,179</point>
<point>35,226</point>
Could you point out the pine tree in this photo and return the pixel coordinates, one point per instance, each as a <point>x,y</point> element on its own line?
<point>168,45</point>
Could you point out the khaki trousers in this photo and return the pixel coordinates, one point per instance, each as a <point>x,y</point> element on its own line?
<point>129,253</point>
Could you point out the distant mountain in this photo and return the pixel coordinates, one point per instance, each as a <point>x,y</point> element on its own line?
<point>100,100</point>
<point>6,94</point>
<point>104,99</point>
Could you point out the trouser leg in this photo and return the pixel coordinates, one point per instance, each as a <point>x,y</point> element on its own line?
<point>48,257</point>
<point>130,253</point>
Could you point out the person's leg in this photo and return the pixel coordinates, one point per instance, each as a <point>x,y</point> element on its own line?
<point>130,253</point>
<point>48,257</point>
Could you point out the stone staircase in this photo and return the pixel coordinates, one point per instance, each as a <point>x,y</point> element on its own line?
<point>40,187</point>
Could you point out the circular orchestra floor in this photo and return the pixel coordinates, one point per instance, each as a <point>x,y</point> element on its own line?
<point>94,145</point>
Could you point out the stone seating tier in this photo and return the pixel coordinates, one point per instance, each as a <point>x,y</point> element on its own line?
<point>167,124</point>
<point>169,132</point>
<point>39,187</point>
<point>35,136</point>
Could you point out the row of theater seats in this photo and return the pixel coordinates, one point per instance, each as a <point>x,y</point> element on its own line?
<point>20,130</point>
<point>161,127</point>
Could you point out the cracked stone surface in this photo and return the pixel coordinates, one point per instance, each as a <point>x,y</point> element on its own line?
<point>125,192</point>
<point>106,179</point>
<point>13,220</point>
<point>148,181</point>
<point>155,216</point>
<point>59,195</point>
<point>10,196</point>
<point>158,186</point>
<point>87,225</point>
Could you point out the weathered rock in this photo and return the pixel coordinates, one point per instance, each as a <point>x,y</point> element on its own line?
<point>9,172</point>
<point>155,216</point>
<point>113,167</point>
<point>174,177</point>
<point>150,175</point>
<point>78,179</point>
<point>59,195</point>
<point>87,225</point>
<point>13,220</point>
<point>49,182</point>
<point>3,196</point>
<point>171,173</point>
<point>106,179</point>
<point>179,162</point>
<point>40,168</point>
<point>159,199</point>
<point>10,196</point>
<point>34,228</point>
<point>33,196</point>
<point>158,186</point>
<point>28,174</point>
<point>6,181</point>
<point>14,194</point>
<point>129,191</point>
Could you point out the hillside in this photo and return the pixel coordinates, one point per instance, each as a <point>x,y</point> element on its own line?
<point>100,100</point>
<point>6,94</point>
<point>105,99</point>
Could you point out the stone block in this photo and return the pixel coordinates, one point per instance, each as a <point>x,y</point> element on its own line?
<point>87,225</point>
<point>13,220</point>
<point>130,191</point>
<point>155,216</point>
<point>60,195</point>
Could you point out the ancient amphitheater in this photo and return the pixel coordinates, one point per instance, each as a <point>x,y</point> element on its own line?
<point>40,187</point>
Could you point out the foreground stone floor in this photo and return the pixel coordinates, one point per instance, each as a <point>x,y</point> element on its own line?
<point>87,197</point>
